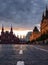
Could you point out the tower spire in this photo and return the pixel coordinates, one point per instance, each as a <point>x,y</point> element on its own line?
<point>11,31</point>
<point>2,28</point>
<point>43,15</point>
<point>11,27</point>
<point>46,12</point>
<point>2,32</point>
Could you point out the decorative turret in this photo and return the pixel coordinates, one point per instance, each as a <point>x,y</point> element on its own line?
<point>43,17</point>
<point>2,32</point>
<point>35,29</point>
<point>11,31</point>
<point>2,28</point>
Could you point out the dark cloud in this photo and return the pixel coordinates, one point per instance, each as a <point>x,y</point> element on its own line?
<point>21,13</point>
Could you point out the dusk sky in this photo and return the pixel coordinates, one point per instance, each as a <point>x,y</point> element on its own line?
<point>22,14</point>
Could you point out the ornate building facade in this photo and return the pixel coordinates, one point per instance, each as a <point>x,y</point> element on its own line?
<point>43,27</point>
<point>8,37</point>
<point>44,22</point>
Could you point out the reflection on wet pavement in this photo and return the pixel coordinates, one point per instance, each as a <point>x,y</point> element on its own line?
<point>15,54</point>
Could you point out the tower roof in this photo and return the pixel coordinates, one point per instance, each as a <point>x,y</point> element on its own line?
<point>35,29</point>
<point>43,15</point>
<point>11,31</point>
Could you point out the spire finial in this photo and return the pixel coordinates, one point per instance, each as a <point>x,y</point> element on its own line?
<point>46,12</point>
<point>11,29</point>
<point>43,15</point>
<point>2,28</point>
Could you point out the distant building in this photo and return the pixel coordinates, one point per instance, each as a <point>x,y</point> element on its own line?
<point>28,36</point>
<point>8,37</point>
<point>44,22</point>
<point>35,34</point>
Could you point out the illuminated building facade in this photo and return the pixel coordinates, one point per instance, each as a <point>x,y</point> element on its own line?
<point>44,22</point>
<point>35,34</point>
<point>43,27</point>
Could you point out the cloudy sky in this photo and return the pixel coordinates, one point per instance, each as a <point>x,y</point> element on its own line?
<point>22,14</point>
